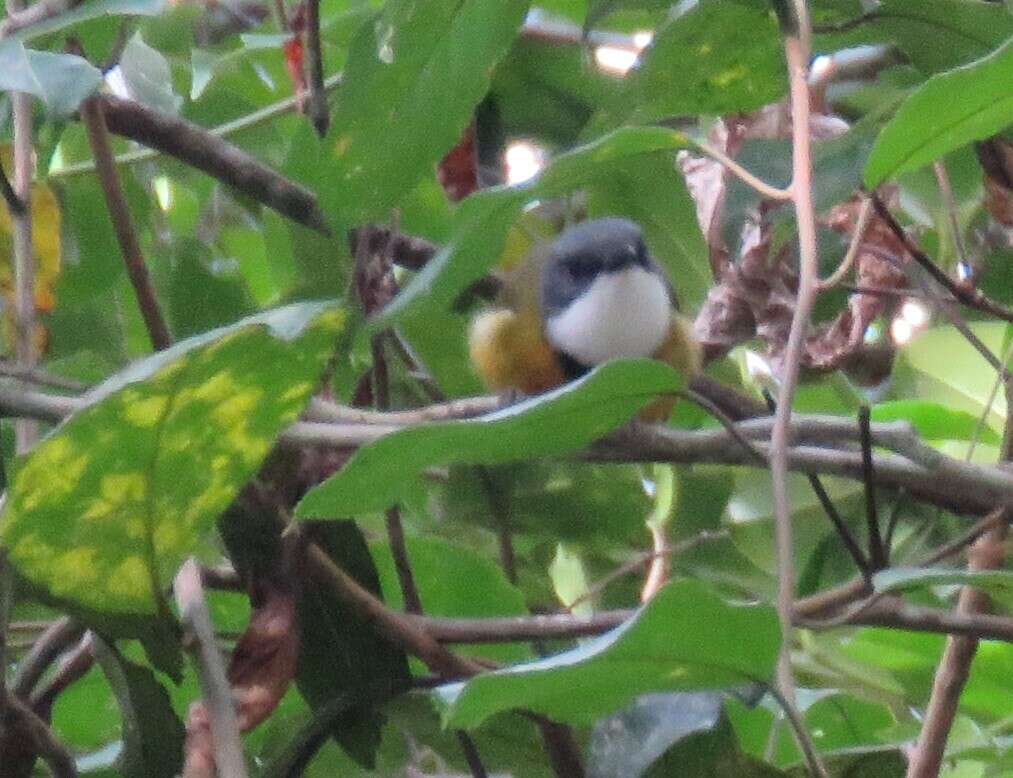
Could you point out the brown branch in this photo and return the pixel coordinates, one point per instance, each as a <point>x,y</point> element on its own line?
<point>93,117</point>
<point>930,477</point>
<point>209,153</point>
<point>399,628</point>
<point>72,668</point>
<point>316,104</point>
<point>969,296</point>
<point>888,612</point>
<point>57,638</point>
<point>216,692</point>
<point>35,375</point>
<point>955,665</point>
<point>797,54</point>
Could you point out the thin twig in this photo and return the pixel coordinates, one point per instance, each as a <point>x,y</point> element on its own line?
<point>969,296</point>
<point>36,375</point>
<point>843,531</point>
<point>642,559</point>
<point>990,402</point>
<point>877,552</point>
<point>57,638</point>
<point>801,189</point>
<point>316,104</point>
<point>217,693</point>
<point>864,216</point>
<point>211,154</point>
<point>943,180</point>
<point>726,422</point>
<point>93,117</point>
<point>797,51</point>
<point>733,167</point>
<point>25,432</point>
<point>399,628</point>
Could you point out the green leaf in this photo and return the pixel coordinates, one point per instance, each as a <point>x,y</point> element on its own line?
<point>91,10</point>
<point>899,579</point>
<point>548,425</point>
<point>948,111</point>
<point>600,9</point>
<point>684,639</point>
<point>934,421</point>
<point>717,57</point>
<point>963,380</point>
<point>413,78</point>
<point>569,581</point>
<point>478,588</point>
<point>341,657</point>
<point>147,76</point>
<point>61,81</point>
<point>152,733</point>
<point>935,35</point>
<point>163,449</point>
<point>667,214</point>
<point>483,219</point>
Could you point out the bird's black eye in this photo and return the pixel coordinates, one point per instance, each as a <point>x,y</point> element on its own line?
<point>580,269</point>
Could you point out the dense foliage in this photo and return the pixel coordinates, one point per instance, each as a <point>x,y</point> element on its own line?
<point>324,192</point>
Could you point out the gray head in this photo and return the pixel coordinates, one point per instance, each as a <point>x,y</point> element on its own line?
<point>603,297</point>
<point>584,251</point>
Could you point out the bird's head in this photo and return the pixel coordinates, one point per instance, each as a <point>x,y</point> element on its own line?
<point>602,294</point>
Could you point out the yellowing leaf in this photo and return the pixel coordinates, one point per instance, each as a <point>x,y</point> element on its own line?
<point>101,513</point>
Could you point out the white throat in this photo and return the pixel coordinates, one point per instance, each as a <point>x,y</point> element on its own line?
<point>624,314</point>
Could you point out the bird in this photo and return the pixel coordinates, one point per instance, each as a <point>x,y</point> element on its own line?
<point>599,296</point>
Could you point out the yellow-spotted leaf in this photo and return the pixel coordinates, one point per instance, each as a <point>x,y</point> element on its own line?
<point>101,513</point>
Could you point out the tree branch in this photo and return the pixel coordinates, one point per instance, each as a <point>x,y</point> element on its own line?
<point>207,152</point>
<point>924,473</point>
<point>316,104</point>
<point>969,296</point>
<point>801,188</point>
<point>217,693</point>
<point>93,117</point>
<point>955,665</point>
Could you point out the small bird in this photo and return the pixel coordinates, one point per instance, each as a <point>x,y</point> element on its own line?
<point>601,296</point>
